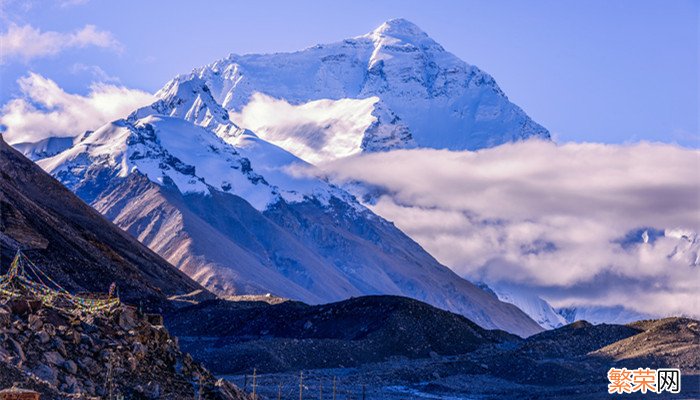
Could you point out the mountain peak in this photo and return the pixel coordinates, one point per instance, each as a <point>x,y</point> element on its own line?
<point>400,31</point>
<point>399,27</point>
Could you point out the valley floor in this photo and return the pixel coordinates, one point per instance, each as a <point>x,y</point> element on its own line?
<point>399,380</point>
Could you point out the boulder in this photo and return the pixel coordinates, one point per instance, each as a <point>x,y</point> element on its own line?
<point>70,367</point>
<point>46,373</point>
<point>43,337</point>
<point>71,384</point>
<point>17,349</point>
<point>5,317</point>
<point>53,358</point>
<point>35,322</point>
<point>128,319</point>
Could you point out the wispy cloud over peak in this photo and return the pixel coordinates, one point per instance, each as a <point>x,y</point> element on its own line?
<point>95,71</point>
<point>26,42</point>
<point>44,109</point>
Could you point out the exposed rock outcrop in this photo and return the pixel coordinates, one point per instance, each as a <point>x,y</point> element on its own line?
<point>69,354</point>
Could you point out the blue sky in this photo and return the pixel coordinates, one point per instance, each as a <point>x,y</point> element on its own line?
<point>602,71</point>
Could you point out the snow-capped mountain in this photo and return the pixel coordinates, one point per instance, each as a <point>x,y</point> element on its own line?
<point>233,215</point>
<point>601,314</point>
<point>684,248</point>
<point>394,87</point>
<point>688,247</point>
<point>44,148</point>
<point>550,317</point>
<point>536,307</point>
<point>189,178</point>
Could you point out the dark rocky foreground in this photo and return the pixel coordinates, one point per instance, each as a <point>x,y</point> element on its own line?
<point>399,348</point>
<point>235,337</point>
<point>64,352</point>
<point>67,354</point>
<point>73,243</point>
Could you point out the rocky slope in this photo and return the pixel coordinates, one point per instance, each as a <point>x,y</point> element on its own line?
<point>665,342</point>
<point>235,337</point>
<point>77,246</point>
<point>63,354</point>
<point>570,362</point>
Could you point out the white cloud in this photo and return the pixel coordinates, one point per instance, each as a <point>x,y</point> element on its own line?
<point>27,42</point>
<point>95,71</point>
<point>315,131</point>
<point>71,3</point>
<point>548,217</point>
<point>46,110</point>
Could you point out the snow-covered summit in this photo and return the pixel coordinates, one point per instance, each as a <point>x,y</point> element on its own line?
<point>399,28</point>
<point>398,35</point>
<point>190,100</point>
<point>440,100</point>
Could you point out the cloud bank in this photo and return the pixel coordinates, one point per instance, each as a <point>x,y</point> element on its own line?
<point>45,110</point>
<point>27,42</point>
<point>550,218</point>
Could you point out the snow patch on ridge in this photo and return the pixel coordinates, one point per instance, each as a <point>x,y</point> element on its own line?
<point>534,306</point>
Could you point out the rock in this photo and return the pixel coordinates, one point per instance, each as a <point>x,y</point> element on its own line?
<point>89,364</point>
<point>43,337</point>
<point>139,350</point>
<point>74,357</point>
<point>127,319</point>
<point>50,329</point>
<point>54,358</point>
<point>4,355</point>
<point>17,348</point>
<point>5,317</point>
<point>71,384</point>
<point>89,387</point>
<point>35,322</point>
<point>76,337</point>
<point>46,373</point>
<point>133,364</point>
<point>60,347</point>
<point>19,307</point>
<point>70,366</point>
<point>152,390</point>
